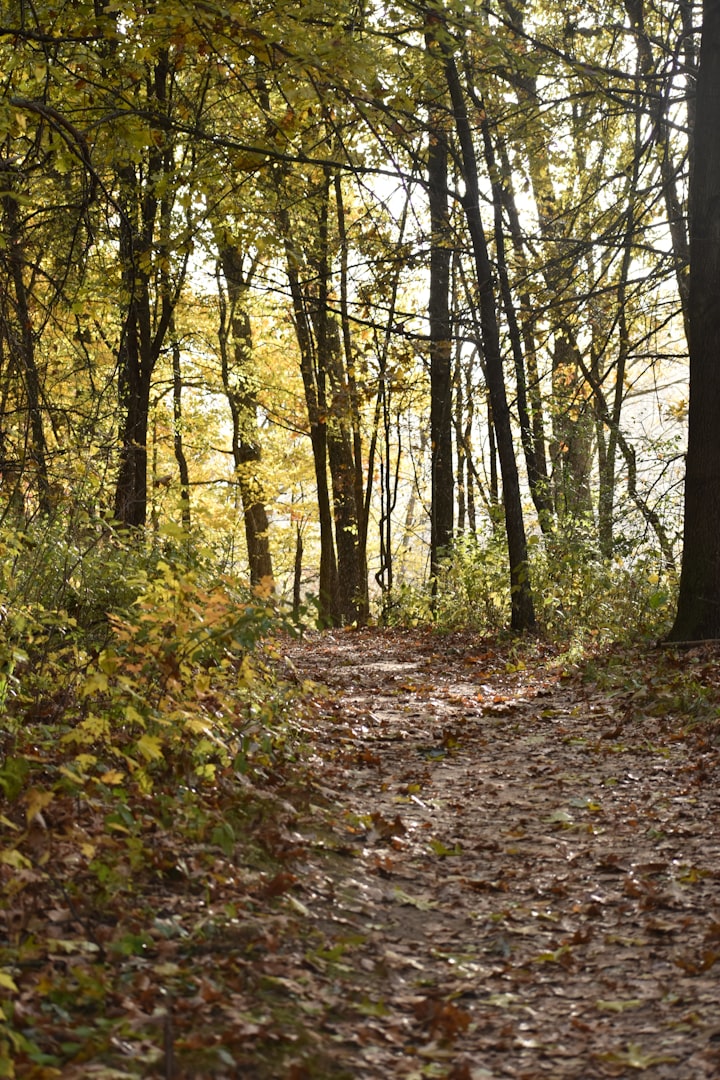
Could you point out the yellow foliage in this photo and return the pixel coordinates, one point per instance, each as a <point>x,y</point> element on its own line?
<point>8,983</point>
<point>150,747</point>
<point>37,800</point>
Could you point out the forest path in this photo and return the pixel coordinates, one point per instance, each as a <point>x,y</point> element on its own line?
<point>521,878</point>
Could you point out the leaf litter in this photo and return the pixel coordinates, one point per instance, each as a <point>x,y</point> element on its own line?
<point>484,862</point>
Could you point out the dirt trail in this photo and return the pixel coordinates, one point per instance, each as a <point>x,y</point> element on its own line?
<point>522,877</point>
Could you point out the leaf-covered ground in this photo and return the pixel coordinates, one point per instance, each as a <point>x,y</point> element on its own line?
<point>485,864</point>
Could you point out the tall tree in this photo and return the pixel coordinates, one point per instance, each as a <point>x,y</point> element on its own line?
<point>522,606</point>
<point>698,610</point>
<point>146,188</point>
<point>442,494</point>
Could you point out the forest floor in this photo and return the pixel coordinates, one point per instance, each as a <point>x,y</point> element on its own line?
<point>529,881</point>
<point>490,863</point>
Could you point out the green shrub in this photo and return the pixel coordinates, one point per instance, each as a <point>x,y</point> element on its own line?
<point>579,596</point>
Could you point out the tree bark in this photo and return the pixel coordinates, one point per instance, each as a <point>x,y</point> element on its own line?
<point>238,385</point>
<point>658,107</point>
<point>362,599</point>
<point>698,611</point>
<point>442,493</point>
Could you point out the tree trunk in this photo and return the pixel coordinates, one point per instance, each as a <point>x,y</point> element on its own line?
<point>317,420</point>
<point>149,304</point>
<point>351,597</point>
<point>460,452</point>
<point>571,451</point>
<point>535,463</point>
<point>698,611</point>
<point>658,106</point>
<point>23,344</point>
<point>362,600</point>
<point>523,613</point>
<point>178,446</point>
<point>528,318</point>
<point>135,366</point>
<point>442,494</point>
<point>239,390</point>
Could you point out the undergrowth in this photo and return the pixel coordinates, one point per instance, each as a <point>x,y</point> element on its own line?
<point>581,599</point>
<point>146,739</point>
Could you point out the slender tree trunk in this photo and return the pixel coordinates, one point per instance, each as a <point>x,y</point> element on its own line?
<point>528,329</point>
<point>658,105</point>
<point>607,448</point>
<point>135,369</point>
<point>297,574</point>
<point>317,420</point>
<point>534,462</point>
<point>467,443</point>
<point>460,452</point>
<point>571,451</point>
<point>523,613</point>
<point>237,376</point>
<point>24,346</point>
<point>442,495</point>
<point>362,600</point>
<point>178,446</point>
<point>145,325</point>
<point>351,599</point>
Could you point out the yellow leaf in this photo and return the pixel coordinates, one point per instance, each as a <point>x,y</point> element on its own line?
<point>113,776</point>
<point>7,982</point>
<point>265,587</point>
<point>73,776</point>
<point>150,747</point>
<point>133,716</point>
<point>12,857</point>
<point>109,662</point>
<point>97,680</point>
<point>37,800</point>
<point>85,761</point>
<point>618,1005</point>
<point>420,902</point>
<point>196,725</point>
<point>636,1058</point>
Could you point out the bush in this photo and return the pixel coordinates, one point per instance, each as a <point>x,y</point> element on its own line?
<point>579,596</point>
